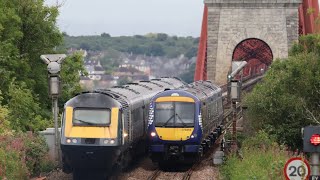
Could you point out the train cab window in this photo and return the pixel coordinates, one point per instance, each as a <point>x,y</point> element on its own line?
<point>91,117</point>
<point>174,114</point>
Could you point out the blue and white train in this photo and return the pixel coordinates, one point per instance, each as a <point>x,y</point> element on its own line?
<point>184,122</point>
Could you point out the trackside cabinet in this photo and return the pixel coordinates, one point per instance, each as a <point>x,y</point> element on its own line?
<point>311,139</point>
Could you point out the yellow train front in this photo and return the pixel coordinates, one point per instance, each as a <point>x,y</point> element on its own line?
<point>90,135</point>
<point>105,129</point>
<point>184,123</point>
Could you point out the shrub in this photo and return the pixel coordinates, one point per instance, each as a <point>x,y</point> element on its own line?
<point>23,155</point>
<point>11,165</point>
<point>36,151</point>
<point>24,108</point>
<point>262,158</point>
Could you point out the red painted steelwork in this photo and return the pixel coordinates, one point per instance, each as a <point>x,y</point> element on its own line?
<point>256,52</point>
<point>308,14</point>
<point>201,66</point>
<point>307,25</point>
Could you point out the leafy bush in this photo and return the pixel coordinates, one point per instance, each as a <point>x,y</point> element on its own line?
<point>11,165</point>
<point>36,151</point>
<point>23,155</point>
<point>4,123</point>
<point>262,158</point>
<point>24,109</point>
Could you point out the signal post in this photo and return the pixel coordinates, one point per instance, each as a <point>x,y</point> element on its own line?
<point>54,62</point>
<point>311,144</point>
<point>234,92</point>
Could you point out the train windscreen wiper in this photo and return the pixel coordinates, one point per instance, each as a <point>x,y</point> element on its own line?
<point>164,125</point>
<point>183,123</point>
<point>86,122</point>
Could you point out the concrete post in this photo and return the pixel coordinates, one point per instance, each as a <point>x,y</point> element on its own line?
<point>57,134</point>
<point>315,164</point>
<point>234,124</point>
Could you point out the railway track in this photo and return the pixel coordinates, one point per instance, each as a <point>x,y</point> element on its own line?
<point>187,174</point>
<point>154,175</point>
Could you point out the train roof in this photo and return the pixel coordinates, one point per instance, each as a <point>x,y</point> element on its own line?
<point>203,89</point>
<point>199,89</point>
<point>133,93</point>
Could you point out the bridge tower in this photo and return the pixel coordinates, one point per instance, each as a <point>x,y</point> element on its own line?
<point>257,31</point>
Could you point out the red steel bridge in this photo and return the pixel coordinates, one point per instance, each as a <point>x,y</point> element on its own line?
<point>254,51</point>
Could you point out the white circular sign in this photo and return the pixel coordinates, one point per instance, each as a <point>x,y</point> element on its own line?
<point>53,67</point>
<point>297,169</point>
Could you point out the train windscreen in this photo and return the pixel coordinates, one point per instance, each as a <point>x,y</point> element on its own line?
<point>91,117</point>
<point>174,114</point>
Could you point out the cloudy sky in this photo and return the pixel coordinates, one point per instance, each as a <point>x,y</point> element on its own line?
<point>130,17</point>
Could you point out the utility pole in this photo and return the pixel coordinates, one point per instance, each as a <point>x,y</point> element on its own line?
<point>54,62</point>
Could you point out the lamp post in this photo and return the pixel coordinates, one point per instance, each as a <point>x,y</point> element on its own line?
<point>54,62</point>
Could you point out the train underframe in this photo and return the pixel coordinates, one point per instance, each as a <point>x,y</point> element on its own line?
<point>175,152</point>
<point>164,153</point>
<point>89,157</point>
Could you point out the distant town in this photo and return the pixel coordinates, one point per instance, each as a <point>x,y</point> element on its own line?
<point>132,68</point>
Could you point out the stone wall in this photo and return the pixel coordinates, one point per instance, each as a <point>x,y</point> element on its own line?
<point>232,21</point>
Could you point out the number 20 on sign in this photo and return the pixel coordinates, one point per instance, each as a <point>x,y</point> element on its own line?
<point>297,169</point>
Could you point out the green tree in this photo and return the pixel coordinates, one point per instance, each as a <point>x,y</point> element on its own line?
<point>10,33</point>
<point>161,37</point>
<point>27,30</point>
<point>188,76</point>
<point>123,80</point>
<point>135,49</point>
<point>72,67</point>
<point>155,50</point>
<point>40,36</point>
<point>288,99</point>
<point>4,112</point>
<point>105,35</point>
<point>192,52</point>
<point>24,109</point>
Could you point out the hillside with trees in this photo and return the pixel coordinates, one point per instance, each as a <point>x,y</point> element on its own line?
<point>165,54</point>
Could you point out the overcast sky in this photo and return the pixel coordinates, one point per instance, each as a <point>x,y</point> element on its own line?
<point>130,17</point>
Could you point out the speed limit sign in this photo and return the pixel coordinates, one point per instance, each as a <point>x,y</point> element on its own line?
<point>297,169</point>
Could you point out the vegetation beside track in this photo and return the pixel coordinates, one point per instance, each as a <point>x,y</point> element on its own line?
<point>23,155</point>
<point>260,158</point>
<point>285,101</point>
<point>27,30</point>
<point>288,98</point>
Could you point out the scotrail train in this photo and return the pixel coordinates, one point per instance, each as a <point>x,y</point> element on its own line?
<point>183,123</point>
<point>105,128</point>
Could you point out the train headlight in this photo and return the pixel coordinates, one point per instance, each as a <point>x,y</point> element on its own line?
<point>112,141</point>
<point>106,141</point>
<point>153,134</point>
<point>68,141</point>
<point>125,134</point>
<point>74,141</point>
<point>192,136</point>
